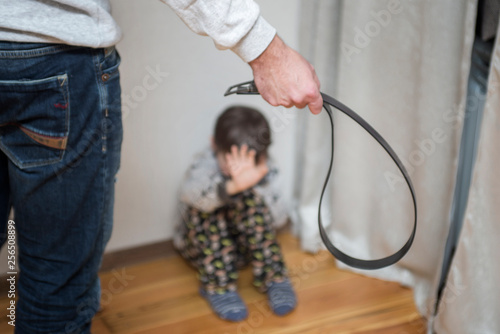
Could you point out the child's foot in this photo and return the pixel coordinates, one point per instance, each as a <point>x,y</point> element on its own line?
<point>281,297</point>
<point>228,306</point>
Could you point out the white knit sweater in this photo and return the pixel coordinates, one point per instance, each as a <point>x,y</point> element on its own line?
<point>232,24</point>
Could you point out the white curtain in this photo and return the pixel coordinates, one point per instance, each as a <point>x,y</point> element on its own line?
<point>403,66</point>
<point>471,298</point>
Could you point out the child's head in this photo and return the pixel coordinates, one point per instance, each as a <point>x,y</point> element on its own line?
<point>240,125</point>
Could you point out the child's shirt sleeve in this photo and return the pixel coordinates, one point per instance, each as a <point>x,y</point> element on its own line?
<point>202,184</point>
<point>270,189</point>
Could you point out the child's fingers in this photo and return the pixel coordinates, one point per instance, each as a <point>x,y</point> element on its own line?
<point>234,151</point>
<point>233,157</point>
<point>251,155</point>
<point>230,162</point>
<point>243,151</point>
<point>247,154</point>
<point>229,158</point>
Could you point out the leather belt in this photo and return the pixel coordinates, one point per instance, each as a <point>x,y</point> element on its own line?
<point>328,102</point>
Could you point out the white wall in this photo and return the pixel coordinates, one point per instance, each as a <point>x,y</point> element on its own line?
<point>165,127</point>
<point>168,124</point>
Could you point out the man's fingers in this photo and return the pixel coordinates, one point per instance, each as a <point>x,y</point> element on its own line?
<point>285,78</point>
<point>315,77</point>
<point>312,99</point>
<point>316,105</point>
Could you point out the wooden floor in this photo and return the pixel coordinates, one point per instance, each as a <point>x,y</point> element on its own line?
<point>162,297</point>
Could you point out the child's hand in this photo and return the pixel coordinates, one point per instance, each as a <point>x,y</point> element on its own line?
<point>244,172</point>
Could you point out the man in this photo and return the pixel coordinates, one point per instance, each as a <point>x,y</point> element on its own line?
<point>61,133</point>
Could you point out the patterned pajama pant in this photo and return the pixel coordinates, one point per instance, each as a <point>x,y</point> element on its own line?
<point>220,242</point>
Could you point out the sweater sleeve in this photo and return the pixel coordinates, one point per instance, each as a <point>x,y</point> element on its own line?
<point>201,187</point>
<point>232,24</point>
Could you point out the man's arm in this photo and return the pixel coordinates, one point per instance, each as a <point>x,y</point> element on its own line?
<point>282,75</point>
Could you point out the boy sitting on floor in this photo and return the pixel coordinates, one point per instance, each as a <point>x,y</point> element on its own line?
<point>231,207</point>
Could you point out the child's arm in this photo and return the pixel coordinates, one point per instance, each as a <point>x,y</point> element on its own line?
<point>201,186</point>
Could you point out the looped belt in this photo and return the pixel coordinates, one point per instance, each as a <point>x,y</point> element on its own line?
<point>328,102</point>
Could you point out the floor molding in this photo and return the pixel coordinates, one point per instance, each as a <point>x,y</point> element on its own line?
<point>129,256</point>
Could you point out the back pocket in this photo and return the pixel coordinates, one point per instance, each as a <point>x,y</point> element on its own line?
<point>34,120</point>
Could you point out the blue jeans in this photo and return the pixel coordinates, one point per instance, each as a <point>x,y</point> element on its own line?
<point>60,140</point>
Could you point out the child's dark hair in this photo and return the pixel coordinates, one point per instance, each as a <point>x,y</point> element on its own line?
<point>239,125</point>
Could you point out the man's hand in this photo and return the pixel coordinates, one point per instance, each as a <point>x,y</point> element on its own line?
<point>244,172</point>
<point>284,78</point>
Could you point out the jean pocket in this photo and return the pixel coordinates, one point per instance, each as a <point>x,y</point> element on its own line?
<point>110,64</point>
<point>34,120</point>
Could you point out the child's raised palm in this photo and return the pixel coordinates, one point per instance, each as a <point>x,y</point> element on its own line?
<point>244,172</point>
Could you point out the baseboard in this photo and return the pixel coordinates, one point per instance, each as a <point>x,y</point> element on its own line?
<point>130,256</point>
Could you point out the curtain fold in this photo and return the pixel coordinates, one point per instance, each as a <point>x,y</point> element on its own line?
<point>319,31</point>
<point>403,66</point>
<point>471,297</point>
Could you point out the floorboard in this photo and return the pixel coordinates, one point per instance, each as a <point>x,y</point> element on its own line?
<point>161,296</point>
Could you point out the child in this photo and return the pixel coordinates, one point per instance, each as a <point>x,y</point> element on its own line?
<point>231,206</point>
